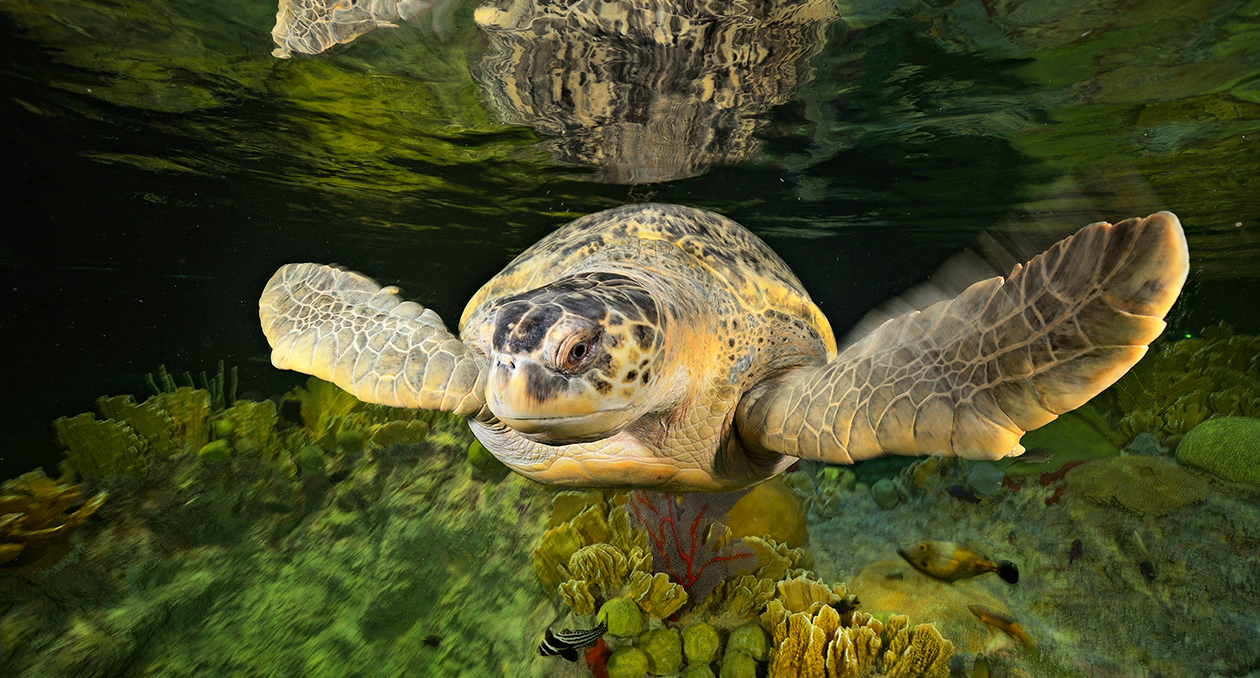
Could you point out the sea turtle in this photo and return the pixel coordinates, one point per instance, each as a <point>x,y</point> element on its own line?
<point>666,347</point>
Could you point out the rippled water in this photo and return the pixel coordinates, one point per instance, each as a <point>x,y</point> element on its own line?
<point>162,163</point>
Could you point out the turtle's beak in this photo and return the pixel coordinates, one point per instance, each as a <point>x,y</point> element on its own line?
<point>545,406</point>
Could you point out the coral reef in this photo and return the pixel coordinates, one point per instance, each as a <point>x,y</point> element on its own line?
<point>1228,447</point>
<point>1189,381</point>
<point>36,522</point>
<point>1138,483</point>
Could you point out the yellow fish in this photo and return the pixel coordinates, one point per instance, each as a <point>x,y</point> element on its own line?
<point>1006,625</point>
<point>951,561</point>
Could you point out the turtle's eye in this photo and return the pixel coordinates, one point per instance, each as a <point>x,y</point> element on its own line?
<point>575,352</point>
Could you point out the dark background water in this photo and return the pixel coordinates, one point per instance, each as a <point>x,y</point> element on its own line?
<point>141,227</point>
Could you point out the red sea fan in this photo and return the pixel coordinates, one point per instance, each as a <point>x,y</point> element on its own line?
<point>685,532</point>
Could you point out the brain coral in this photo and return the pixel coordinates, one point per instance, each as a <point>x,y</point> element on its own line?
<point>1228,447</point>
<point>895,586</point>
<point>1137,482</point>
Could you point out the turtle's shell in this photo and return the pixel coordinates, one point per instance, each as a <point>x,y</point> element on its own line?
<point>643,237</point>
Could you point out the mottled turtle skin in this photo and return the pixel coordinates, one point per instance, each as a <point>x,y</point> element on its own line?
<point>666,347</point>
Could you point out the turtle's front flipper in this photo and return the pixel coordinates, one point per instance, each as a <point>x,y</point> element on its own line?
<point>343,327</point>
<point>967,377</point>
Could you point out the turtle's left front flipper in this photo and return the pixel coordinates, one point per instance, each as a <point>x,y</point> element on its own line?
<point>343,327</point>
<point>967,377</point>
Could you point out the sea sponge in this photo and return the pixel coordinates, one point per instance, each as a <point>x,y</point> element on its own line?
<point>1227,446</point>
<point>895,586</point>
<point>36,523</point>
<point>622,617</point>
<point>1137,482</point>
<point>700,643</point>
<point>769,510</point>
<point>96,449</point>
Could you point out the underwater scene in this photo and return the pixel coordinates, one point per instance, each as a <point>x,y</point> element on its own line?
<point>627,338</point>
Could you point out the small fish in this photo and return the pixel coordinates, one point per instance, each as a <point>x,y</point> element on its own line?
<point>1037,455</point>
<point>962,494</point>
<point>951,561</point>
<point>432,640</point>
<point>1004,624</point>
<point>980,669</point>
<point>567,643</point>
<point>1077,550</point>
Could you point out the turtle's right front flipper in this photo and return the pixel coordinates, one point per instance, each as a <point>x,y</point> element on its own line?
<point>342,327</point>
<point>967,377</point>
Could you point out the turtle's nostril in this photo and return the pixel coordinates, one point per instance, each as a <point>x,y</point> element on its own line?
<point>506,361</point>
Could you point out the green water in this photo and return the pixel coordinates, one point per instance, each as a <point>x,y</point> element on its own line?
<point>162,163</point>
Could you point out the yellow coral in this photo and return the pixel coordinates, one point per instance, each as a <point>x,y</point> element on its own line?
<point>561,542</point>
<point>399,432</point>
<point>97,449</point>
<point>149,419</point>
<point>919,652</point>
<point>1138,483</point>
<point>776,561</point>
<point>854,651</point>
<point>800,593</point>
<point>656,594</point>
<point>600,565</point>
<point>254,426</point>
<point>323,408</point>
<point>565,506</point>
<point>189,410</point>
<point>576,593</point>
<point>36,526</point>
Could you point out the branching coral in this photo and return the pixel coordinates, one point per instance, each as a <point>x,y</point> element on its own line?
<point>1137,482</point>
<point>36,523</point>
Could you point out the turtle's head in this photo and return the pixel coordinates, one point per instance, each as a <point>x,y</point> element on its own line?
<point>576,360</point>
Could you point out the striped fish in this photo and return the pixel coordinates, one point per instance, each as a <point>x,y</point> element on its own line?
<point>567,643</point>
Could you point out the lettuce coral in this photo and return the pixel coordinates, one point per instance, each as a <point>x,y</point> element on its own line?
<point>36,521</point>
